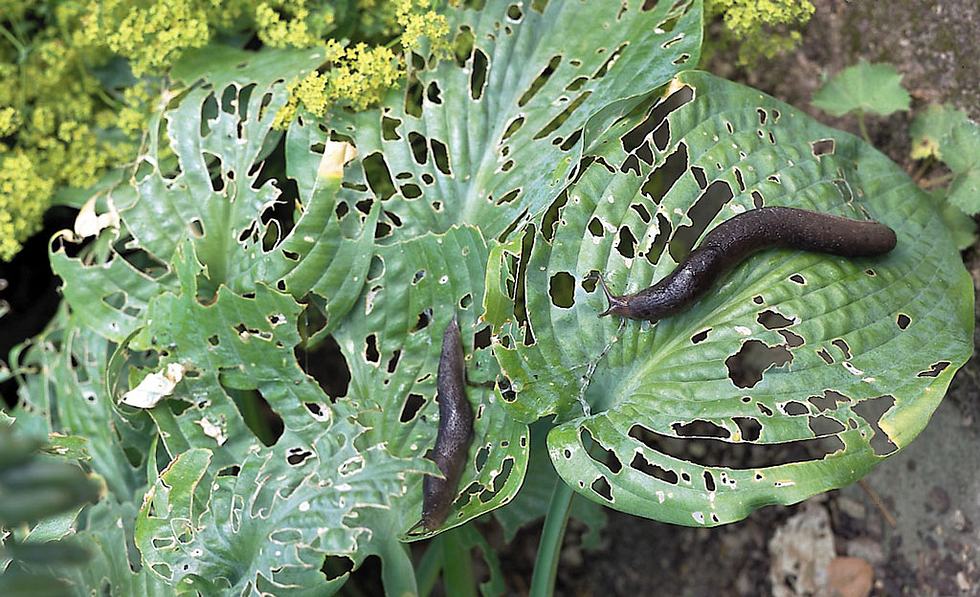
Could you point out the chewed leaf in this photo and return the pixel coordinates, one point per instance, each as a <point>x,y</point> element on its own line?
<point>269,524</point>
<point>875,88</point>
<point>392,342</point>
<point>487,139</point>
<point>842,359</point>
<point>204,180</point>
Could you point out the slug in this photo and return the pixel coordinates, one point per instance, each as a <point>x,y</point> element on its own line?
<point>734,240</point>
<point>455,431</point>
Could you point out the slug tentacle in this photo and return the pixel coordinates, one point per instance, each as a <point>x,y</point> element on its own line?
<point>616,302</point>
<point>455,431</point>
<point>732,241</point>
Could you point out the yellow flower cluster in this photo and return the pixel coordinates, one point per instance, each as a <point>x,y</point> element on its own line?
<point>760,26</point>
<point>23,198</point>
<point>359,75</point>
<point>292,23</point>
<point>63,125</point>
<point>419,21</point>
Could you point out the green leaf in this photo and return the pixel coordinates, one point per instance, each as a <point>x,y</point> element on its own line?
<point>489,139</point>
<point>963,158</point>
<point>392,342</point>
<point>531,504</point>
<point>949,135</point>
<point>864,87</point>
<point>219,199</point>
<point>856,354</point>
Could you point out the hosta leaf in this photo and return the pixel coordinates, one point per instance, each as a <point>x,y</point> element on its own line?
<point>864,87</point>
<point>220,194</point>
<point>266,528</point>
<point>391,343</point>
<point>844,357</point>
<point>487,139</point>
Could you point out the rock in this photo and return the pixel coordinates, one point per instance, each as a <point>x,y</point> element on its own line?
<point>852,508</point>
<point>801,551</point>
<point>849,577</point>
<point>866,548</point>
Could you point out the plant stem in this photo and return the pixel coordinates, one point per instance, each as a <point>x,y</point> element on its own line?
<point>935,182</point>
<point>549,549</point>
<point>457,567</point>
<point>427,572</point>
<point>864,127</point>
<point>21,50</point>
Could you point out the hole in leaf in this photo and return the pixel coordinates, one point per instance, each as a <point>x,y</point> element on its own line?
<point>660,242</point>
<point>378,176</point>
<point>433,93</point>
<point>389,128</point>
<point>793,340</point>
<point>798,279</point>
<point>934,370</point>
<point>822,352</point>
<point>772,320</point>
<point>562,290</point>
<point>843,347</point>
<point>700,428</point>
<point>720,453</point>
<point>828,401</point>
<point>601,487</point>
<point>795,409</point>
<point>903,321</point>
<point>540,80</point>
<point>335,567</point>
<point>871,411</point>
<point>441,156</point>
<point>641,464</point>
<point>560,119</point>
<point>757,200</point>
<point>745,368</point>
<point>478,77</point>
<point>824,425</point>
<point>627,243</point>
<point>700,336</point>
<point>413,404</point>
<point>822,147</point>
<point>481,339</point>
<point>749,428</point>
<point>660,181</point>
<point>327,365</point>
<point>420,149</point>
<point>709,481</point>
<point>297,456</point>
<point>705,209</point>
<point>425,317</point>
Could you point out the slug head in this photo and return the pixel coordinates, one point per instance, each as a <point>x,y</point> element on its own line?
<point>618,305</point>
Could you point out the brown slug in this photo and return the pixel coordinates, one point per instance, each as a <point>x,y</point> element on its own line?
<point>455,431</point>
<point>732,241</point>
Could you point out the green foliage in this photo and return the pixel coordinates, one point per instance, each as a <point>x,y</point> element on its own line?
<point>760,27</point>
<point>41,493</point>
<point>490,187</point>
<point>946,134</point>
<point>863,88</point>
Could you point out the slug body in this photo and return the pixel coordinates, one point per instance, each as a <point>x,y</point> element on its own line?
<point>455,431</point>
<point>732,241</point>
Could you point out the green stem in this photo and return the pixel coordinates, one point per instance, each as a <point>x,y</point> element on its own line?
<point>457,566</point>
<point>427,572</point>
<point>13,41</point>
<point>549,548</point>
<point>864,127</point>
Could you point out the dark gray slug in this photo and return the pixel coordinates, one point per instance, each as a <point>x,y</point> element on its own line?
<point>455,431</point>
<point>732,241</point>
